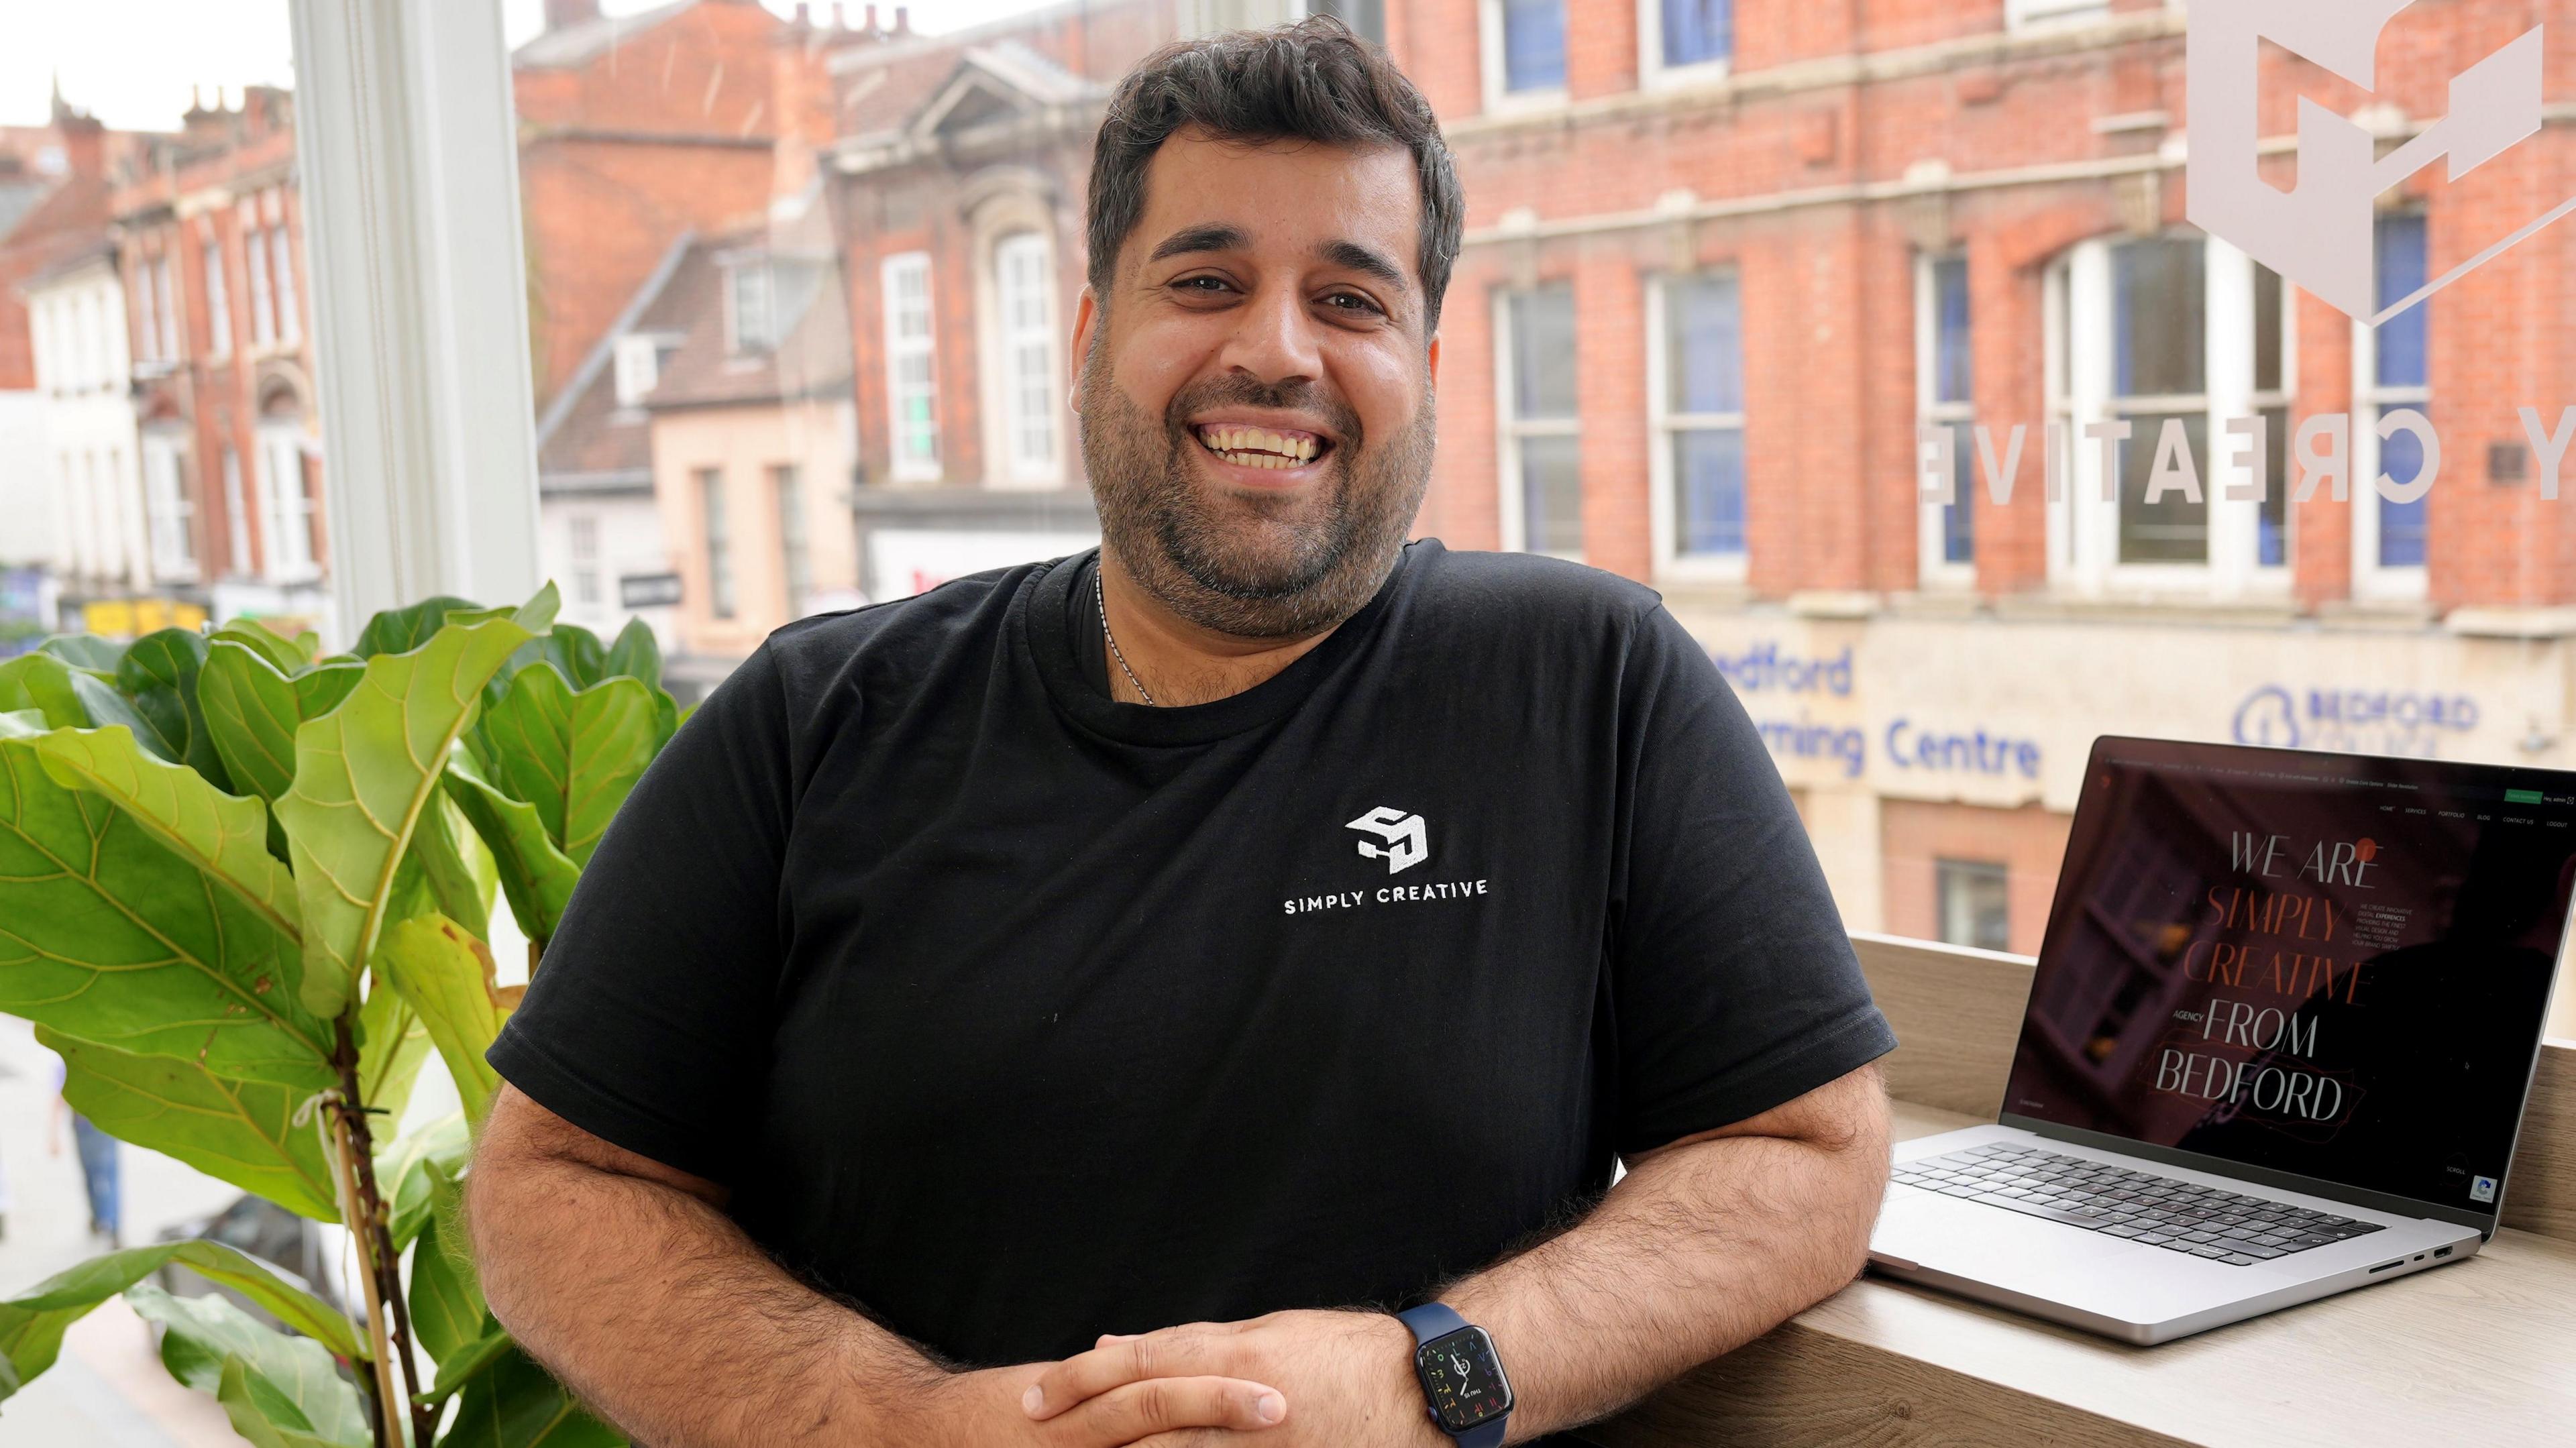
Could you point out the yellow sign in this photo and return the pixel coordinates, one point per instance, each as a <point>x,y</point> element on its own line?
<point>135,617</point>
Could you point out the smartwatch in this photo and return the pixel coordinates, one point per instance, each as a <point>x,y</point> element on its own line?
<point>1462,1378</point>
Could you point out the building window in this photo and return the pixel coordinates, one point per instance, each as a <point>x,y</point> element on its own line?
<point>167,512</point>
<point>912,386</point>
<point>2393,367</point>
<point>286,505</point>
<point>1975,907</point>
<point>289,325</point>
<point>1023,295</point>
<point>1542,450</point>
<point>795,555</point>
<point>1524,48</point>
<point>166,298</point>
<point>236,515</point>
<point>639,368</point>
<point>1695,387</point>
<point>584,528</point>
<point>2176,338</point>
<point>749,313</point>
<point>711,504</point>
<point>1366,18</point>
<point>1687,35</point>
<point>219,317</point>
<point>1945,399</point>
<point>147,316</point>
<point>263,306</point>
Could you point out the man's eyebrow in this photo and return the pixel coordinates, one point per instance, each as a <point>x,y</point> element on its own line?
<point>1358,258</point>
<point>1201,238</point>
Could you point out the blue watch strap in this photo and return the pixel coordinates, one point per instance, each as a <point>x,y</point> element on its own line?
<point>1437,1320</point>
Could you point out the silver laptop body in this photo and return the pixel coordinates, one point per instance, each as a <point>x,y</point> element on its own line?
<point>2171,1157</point>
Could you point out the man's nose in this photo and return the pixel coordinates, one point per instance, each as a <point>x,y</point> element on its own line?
<point>1274,339</point>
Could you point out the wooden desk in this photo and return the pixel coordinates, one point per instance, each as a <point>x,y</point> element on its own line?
<point>2483,1352</point>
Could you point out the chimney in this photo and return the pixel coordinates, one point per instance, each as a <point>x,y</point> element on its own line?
<point>840,21</point>
<point>562,14</point>
<point>871,27</point>
<point>902,20</point>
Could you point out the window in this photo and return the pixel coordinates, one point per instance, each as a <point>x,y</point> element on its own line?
<point>911,383</point>
<point>236,515</point>
<point>1023,294</point>
<point>219,318</point>
<point>1524,48</point>
<point>147,315</point>
<point>2021,13</point>
<point>1945,398</point>
<point>263,307</point>
<point>584,528</point>
<point>748,306</point>
<point>2174,337</point>
<point>1695,364</point>
<point>639,368</point>
<point>289,325</point>
<point>1541,452</point>
<point>163,296</point>
<point>1975,907</point>
<point>2393,367</point>
<point>167,510</point>
<point>719,534</point>
<point>795,558</point>
<point>1694,36</point>
<point>286,505</point>
<point>1366,18</point>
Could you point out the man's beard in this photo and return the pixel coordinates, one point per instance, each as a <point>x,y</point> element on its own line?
<point>1253,567</point>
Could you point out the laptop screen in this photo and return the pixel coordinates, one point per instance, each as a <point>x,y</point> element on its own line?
<point>2322,964</point>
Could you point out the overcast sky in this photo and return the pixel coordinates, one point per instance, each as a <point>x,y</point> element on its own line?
<point>131,62</point>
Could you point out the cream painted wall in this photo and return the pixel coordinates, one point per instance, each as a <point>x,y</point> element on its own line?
<point>744,443</point>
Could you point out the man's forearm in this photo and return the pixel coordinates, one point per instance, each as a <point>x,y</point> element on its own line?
<point>1701,1248</point>
<point>662,1315</point>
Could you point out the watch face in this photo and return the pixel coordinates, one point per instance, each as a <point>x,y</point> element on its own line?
<point>1463,1378</point>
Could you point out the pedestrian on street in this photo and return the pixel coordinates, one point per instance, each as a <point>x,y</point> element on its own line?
<point>100,1170</point>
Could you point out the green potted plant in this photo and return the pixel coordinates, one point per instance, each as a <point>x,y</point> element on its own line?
<point>245,892</point>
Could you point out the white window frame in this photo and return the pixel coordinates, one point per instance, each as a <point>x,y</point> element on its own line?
<point>638,368</point>
<point>281,255</point>
<point>2021,15</point>
<point>1662,424</point>
<point>715,543</point>
<point>1651,70</point>
<point>236,513</point>
<point>285,505</point>
<point>581,532</point>
<point>174,336</point>
<point>1510,428</point>
<point>900,467</point>
<point>795,537</point>
<point>1489,49</point>
<point>1934,569</point>
<point>2371,579</point>
<point>2084,528</point>
<point>750,273</point>
<point>263,304</point>
<point>219,321</point>
<point>169,517</point>
<point>147,315</point>
<point>1025,404</point>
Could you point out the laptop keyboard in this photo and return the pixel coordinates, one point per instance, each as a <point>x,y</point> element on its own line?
<point>2155,1211</point>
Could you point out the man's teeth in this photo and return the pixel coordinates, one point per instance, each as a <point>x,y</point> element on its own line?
<point>1254,447</point>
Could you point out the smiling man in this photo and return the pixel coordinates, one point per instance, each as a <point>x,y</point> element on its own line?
<point>1202,991</point>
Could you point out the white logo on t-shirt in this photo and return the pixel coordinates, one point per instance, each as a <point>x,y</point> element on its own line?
<point>1408,840</point>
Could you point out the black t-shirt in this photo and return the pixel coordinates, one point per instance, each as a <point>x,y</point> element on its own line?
<point>1019,1015</point>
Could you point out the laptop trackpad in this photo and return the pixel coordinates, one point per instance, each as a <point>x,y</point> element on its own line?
<point>1966,1239</point>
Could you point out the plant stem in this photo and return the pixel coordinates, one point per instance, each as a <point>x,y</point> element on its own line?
<point>388,1424</point>
<point>386,1304</point>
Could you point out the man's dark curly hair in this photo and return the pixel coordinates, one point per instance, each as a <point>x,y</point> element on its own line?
<point>1311,81</point>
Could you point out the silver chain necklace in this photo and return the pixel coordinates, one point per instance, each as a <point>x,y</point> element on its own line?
<point>1102,600</point>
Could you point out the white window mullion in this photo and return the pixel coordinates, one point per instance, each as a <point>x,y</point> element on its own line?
<point>912,379</point>
<point>1025,353</point>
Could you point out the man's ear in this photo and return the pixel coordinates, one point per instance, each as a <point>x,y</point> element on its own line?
<point>1435,361</point>
<point>1086,314</point>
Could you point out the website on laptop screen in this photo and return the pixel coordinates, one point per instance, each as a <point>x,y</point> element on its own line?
<point>2321,964</point>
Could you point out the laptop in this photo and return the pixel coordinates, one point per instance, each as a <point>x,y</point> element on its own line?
<point>2284,1021</point>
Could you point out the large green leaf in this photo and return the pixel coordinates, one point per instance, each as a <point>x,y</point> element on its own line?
<point>468,1362</point>
<point>159,674</point>
<point>364,774</point>
<point>535,875</point>
<point>444,847</point>
<point>265,1417</point>
<point>447,1310</point>
<point>401,630</point>
<point>319,689</point>
<point>199,1335</point>
<point>84,651</point>
<point>32,1323</point>
<point>513,1404</point>
<point>575,756</point>
<point>393,1043</point>
<point>251,713</point>
<point>287,655</point>
<point>220,835</point>
<point>635,654</point>
<point>43,682</point>
<point>447,976</point>
<point>404,1173</point>
<point>109,934</point>
<point>244,1132</point>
